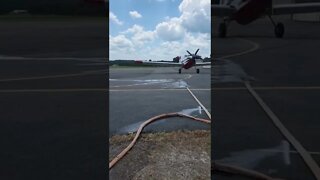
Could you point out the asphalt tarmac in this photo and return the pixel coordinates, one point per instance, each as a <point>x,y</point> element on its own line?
<point>139,93</point>
<point>284,73</point>
<point>53,91</point>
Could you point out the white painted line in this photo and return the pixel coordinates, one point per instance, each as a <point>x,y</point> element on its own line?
<point>295,143</point>
<point>254,48</point>
<point>204,108</point>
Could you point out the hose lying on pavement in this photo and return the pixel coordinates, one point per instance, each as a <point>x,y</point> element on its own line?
<point>216,166</point>
<point>143,125</point>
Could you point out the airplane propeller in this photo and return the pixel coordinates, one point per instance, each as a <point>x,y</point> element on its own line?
<point>196,52</point>
<point>193,55</point>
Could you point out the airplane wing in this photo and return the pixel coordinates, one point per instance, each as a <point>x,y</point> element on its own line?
<point>203,63</point>
<point>158,63</point>
<point>222,10</point>
<point>296,8</point>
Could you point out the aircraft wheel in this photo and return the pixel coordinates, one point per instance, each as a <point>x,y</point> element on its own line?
<point>179,71</point>
<point>222,30</point>
<point>198,71</point>
<point>279,30</point>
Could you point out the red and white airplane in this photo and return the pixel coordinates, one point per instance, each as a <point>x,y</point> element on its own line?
<point>247,11</point>
<point>191,60</point>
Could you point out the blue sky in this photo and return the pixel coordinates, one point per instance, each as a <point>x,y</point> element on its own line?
<point>158,29</point>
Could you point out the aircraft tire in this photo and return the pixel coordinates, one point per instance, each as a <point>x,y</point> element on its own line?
<point>179,71</point>
<point>222,30</point>
<point>279,30</point>
<point>198,71</point>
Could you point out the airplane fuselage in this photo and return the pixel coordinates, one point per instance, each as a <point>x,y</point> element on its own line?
<point>188,63</point>
<point>250,10</point>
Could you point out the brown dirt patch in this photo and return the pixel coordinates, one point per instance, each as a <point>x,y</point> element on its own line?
<point>174,155</point>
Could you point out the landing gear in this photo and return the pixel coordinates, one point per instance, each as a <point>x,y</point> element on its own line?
<point>223,30</point>
<point>278,28</point>
<point>223,27</point>
<point>198,71</point>
<point>179,71</point>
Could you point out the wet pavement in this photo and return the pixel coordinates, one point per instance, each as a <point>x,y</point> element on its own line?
<point>139,93</point>
<point>284,74</point>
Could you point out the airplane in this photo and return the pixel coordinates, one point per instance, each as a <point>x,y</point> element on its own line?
<point>247,11</point>
<point>188,62</point>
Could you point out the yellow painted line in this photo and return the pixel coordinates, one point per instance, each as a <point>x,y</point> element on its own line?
<point>269,88</point>
<point>228,88</point>
<point>255,46</point>
<point>52,76</point>
<point>12,58</point>
<point>126,90</point>
<point>202,106</point>
<point>133,90</point>
<point>295,143</point>
<point>89,90</point>
<point>289,88</point>
<point>52,90</point>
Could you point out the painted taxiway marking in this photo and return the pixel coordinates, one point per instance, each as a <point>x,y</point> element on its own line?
<point>268,88</point>
<point>286,133</point>
<point>133,90</point>
<point>180,89</point>
<point>89,90</point>
<point>53,90</point>
<point>12,58</point>
<point>255,46</point>
<point>203,107</point>
<point>54,76</point>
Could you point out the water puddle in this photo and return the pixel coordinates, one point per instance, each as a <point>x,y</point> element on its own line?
<point>225,71</point>
<point>176,84</point>
<point>165,83</point>
<point>131,128</point>
<point>192,111</point>
<point>252,158</point>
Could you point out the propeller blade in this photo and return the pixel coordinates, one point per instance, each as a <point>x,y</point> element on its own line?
<point>189,53</point>
<point>196,52</point>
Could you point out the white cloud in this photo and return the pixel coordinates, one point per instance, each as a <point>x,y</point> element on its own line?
<point>190,42</point>
<point>114,18</point>
<point>135,14</point>
<point>170,38</point>
<point>133,30</point>
<point>196,15</point>
<point>170,30</point>
<point>120,42</point>
<point>198,40</point>
<point>139,36</point>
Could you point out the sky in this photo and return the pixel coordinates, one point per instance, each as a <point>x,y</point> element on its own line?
<point>158,29</point>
